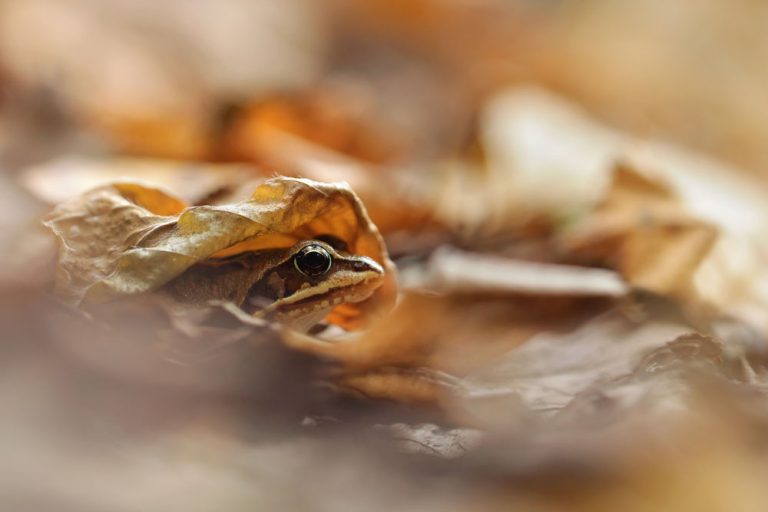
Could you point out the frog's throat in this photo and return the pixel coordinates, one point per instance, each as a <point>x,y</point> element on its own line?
<point>304,322</point>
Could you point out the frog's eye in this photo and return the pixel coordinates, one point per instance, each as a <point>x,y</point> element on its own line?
<point>313,260</point>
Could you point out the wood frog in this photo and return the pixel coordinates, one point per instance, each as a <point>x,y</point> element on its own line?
<point>296,251</point>
<point>298,285</point>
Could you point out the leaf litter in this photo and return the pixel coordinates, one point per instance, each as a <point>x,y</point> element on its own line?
<point>568,317</point>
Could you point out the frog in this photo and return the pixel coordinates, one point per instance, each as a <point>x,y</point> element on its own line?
<point>297,286</point>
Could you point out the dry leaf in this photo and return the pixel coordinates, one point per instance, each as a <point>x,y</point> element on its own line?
<point>432,440</point>
<point>545,156</point>
<point>693,227</point>
<point>551,369</point>
<point>291,154</point>
<point>150,81</point>
<point>415,354</point>
<point>65,178</point>
<point>339,119</point>
<point>126,239</point>
<point>642,230</point>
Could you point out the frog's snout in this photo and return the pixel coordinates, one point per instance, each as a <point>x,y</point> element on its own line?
<point>367,265</point>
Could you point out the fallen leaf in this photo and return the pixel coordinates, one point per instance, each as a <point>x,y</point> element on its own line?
<point>66,178</point>
<point>152,83</point>
<point>126,239</point>
<point>340,119</point>
<point>643,230</point>
<point>551,370</point>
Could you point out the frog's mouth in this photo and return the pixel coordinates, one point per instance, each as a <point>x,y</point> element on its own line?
<point>302,314</point>
<point>322,299</point>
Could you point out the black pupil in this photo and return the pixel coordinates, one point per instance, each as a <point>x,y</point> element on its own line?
<point>313,260</point>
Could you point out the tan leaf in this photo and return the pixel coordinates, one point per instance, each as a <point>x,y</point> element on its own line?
<point>643,230</point>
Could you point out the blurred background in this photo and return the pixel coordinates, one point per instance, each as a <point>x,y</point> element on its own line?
<point>178,79</point>
<point>484,125</point>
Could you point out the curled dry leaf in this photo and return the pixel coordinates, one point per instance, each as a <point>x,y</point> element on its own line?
<point>643,230</point>
<point>125,239</point>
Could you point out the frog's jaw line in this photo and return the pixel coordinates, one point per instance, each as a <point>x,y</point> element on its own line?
<point>351,281</point>
<point>362,289</point>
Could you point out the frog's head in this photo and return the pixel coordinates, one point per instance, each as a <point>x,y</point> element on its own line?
<point>311,278</point>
